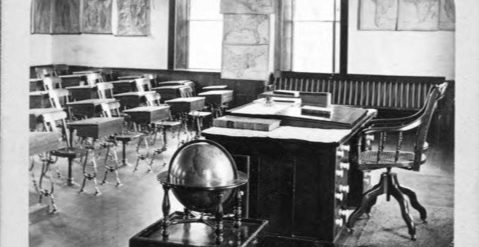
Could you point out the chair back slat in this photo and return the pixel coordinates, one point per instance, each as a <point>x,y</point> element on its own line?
<point>436,93</point>
<point>105,90</point>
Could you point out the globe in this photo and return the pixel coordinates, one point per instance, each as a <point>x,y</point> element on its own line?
<point>202,175</point>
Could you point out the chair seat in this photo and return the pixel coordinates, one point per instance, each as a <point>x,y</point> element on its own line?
<point>368,160</point>
<point>67,152</point>
<point>199,114</point>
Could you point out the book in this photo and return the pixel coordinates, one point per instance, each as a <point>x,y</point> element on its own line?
<point>235,122</point>
<point>316,111</point>
<point>287,92</point>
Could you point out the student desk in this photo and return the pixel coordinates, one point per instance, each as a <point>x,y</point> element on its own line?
<point>88,107</point>
<point>36,84</point>
<point>123,86</point>
<point>186,105</point>
<point>300,175</point>
<point>72,80</point>
<point>36,116</point>
<point>132,99</point>
<point>39,99</point>
<point>169,92</point>
<point>83,92</point>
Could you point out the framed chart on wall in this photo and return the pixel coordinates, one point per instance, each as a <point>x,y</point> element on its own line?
<point>41,16</point>
<point>66,17</point>
<point>96,16</point>
<point>133,17</point>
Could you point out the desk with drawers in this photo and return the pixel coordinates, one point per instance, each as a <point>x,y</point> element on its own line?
<point>301,179</point>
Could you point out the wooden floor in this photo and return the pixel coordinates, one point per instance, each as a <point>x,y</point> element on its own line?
<point>119,213</point>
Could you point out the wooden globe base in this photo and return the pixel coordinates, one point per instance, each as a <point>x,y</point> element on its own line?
<point>187,217</point>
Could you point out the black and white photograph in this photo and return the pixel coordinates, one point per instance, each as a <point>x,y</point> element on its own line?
<point>239,123</point>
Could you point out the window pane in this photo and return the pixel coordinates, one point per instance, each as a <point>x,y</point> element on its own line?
<point>205,45</point>
<point>319,10</point>
<point>205,10</point>
<point>313,47</point>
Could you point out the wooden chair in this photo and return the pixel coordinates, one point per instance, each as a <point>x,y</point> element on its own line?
<point>152,99</point>
<point>105,90</point>
<point>94,78</point>
<point>43,72</point>
<point>388,159</point>
<point>143,84</point>
<point>56,122</point>
<point>50,83</point>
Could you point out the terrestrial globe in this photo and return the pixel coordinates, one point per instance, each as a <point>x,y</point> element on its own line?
<point>202,175</point>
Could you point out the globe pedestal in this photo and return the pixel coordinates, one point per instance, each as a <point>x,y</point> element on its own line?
<point>203,176</point>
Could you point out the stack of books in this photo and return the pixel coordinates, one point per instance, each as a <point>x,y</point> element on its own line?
<point>235,122</point>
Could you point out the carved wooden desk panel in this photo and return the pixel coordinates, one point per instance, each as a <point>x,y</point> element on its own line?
<point>297,175</point>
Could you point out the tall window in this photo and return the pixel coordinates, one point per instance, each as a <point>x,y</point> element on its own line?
<point>199,34</point>
<point>311,37</point>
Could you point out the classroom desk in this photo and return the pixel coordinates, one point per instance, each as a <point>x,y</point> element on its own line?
<point>88,107</point>
<point>186,105</point>
<point>217,97</point>
<point>123,86</point>
<point>169,92</point>
<point>72,80</point>
<point>36,84</point>
<point>83,92</point>
<point>144,115</point>
<point>214,87</point>
<point>178,83</point>
<point>132,99</point>
<point>299,174</point>
<point>96,127</point>
<point>41,143</point>
<point>39,99</point>
<point>36,116</point>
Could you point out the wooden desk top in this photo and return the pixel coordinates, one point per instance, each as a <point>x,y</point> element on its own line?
<point>41,142</point>
<point>139,94</point>
<point>214,87</point>
<point>122,81</point>
<point>38,93</point>
<point>342,117</point>
<point>40,111</point>
<point>81,87</point>
<point>91,102</point>
<point>216,92</point>
<point>147,108</point>
<point>72,76</point>
<point>169,87</point>
<point>128,77</point>
<point>35,79</point>
<point>189,99</point>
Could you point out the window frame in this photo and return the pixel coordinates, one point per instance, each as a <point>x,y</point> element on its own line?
<point>178,37</point>
<point>284,38</point>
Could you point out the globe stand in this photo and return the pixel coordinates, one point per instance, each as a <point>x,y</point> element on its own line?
<point>186,216</point>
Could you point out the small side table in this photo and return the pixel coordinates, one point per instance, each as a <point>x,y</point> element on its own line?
<point>198,234</point>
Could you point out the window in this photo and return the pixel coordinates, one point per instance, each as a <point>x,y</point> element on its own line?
<point>199,32</point>
<point>311,35</point>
